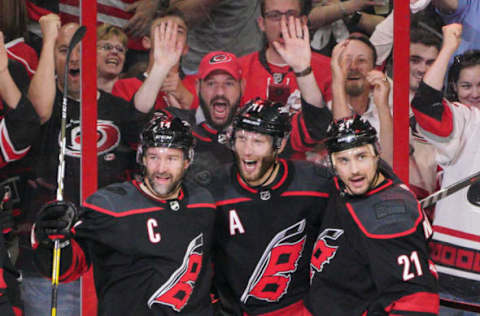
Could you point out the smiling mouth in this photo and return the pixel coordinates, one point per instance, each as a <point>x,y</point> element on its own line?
<point>112,61</point>
<point>250,165</point>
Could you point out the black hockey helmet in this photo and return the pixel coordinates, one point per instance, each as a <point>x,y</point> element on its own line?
<point>166,131</point>
<point>350,132</point>
<point>264,117</point>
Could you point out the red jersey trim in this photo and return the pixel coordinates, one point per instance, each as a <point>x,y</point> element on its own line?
<point>205,139</point>
<point>200,205</point>
<point>295,309</point>
<point>305,193</point>
<point>209,129</point>
<point>137,185</point>
<point>232,201</point>
<point>6,146</point>
<point>456,233</point>
<point>380,188</point>
<point>442,128</point>
<point>244,185</point>
<point>123,214</point>
<point>78,266</point>
<point>285,174</point>
<point>382,236</point>
<point>420,302</point>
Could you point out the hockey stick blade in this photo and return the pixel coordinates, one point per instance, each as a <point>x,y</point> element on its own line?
<point>76,38</point>
<point>443,193</point>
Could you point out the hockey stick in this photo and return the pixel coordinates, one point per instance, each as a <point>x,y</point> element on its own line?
<point>443,193</point>
<point>77,36</point>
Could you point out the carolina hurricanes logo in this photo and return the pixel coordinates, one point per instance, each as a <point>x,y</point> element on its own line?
<point>271,277</point>
<point>179,287</point>
<point>108,137</point>
<point>322,252</point>
<point>220,59</point>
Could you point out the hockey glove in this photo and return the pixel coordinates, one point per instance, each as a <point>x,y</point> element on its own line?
<point>6,211</point>
<point>473,194</point>
<point>55,221</point>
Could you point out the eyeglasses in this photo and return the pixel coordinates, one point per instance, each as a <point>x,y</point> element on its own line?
<point>109,47</point>
<point>277,15</point>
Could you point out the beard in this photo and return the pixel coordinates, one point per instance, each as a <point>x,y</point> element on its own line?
<point>354,89</point>
<point>163,191</point>
<point>208,115</point>
<point>265,165</point>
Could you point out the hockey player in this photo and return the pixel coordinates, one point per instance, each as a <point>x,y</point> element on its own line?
<point>149,242</point>
<point>266,209</point>
<point>371,255</point>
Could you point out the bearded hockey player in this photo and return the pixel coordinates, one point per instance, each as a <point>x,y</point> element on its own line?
<point>266,209</point>
<point>149,242</point>
<point>370,257</point>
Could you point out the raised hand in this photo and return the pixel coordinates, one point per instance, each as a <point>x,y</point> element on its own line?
<point>381,87</point>
<point>452,36</point>
<point>295,50</point>
<point>166,49</point>
<point>50,25</point>
<point>339,70</point>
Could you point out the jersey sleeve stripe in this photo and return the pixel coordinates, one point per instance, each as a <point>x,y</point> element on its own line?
<point>8,150</point>
<point>456,233</point>
<point>442,128</point>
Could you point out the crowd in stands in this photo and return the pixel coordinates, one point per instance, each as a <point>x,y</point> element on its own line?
<point>202,61</point>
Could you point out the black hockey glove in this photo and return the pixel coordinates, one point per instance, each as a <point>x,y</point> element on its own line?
<point>6,211</point>
<point>473,194</point>
<point>55,221</point>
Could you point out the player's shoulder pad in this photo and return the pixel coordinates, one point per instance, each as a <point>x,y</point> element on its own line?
<point>114,198</point>
<point>389,213</point>
<point>221,178</point>
<point>310,175</point>
<point>197,194</point>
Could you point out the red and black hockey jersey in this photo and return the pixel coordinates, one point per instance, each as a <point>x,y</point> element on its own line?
<point>264,238</point>
<point>212,150</point>
<point>10,303</point>
<point>18,128</point>
<point>370,256</point>
<point>150,257</point>
<point>118,127</point>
